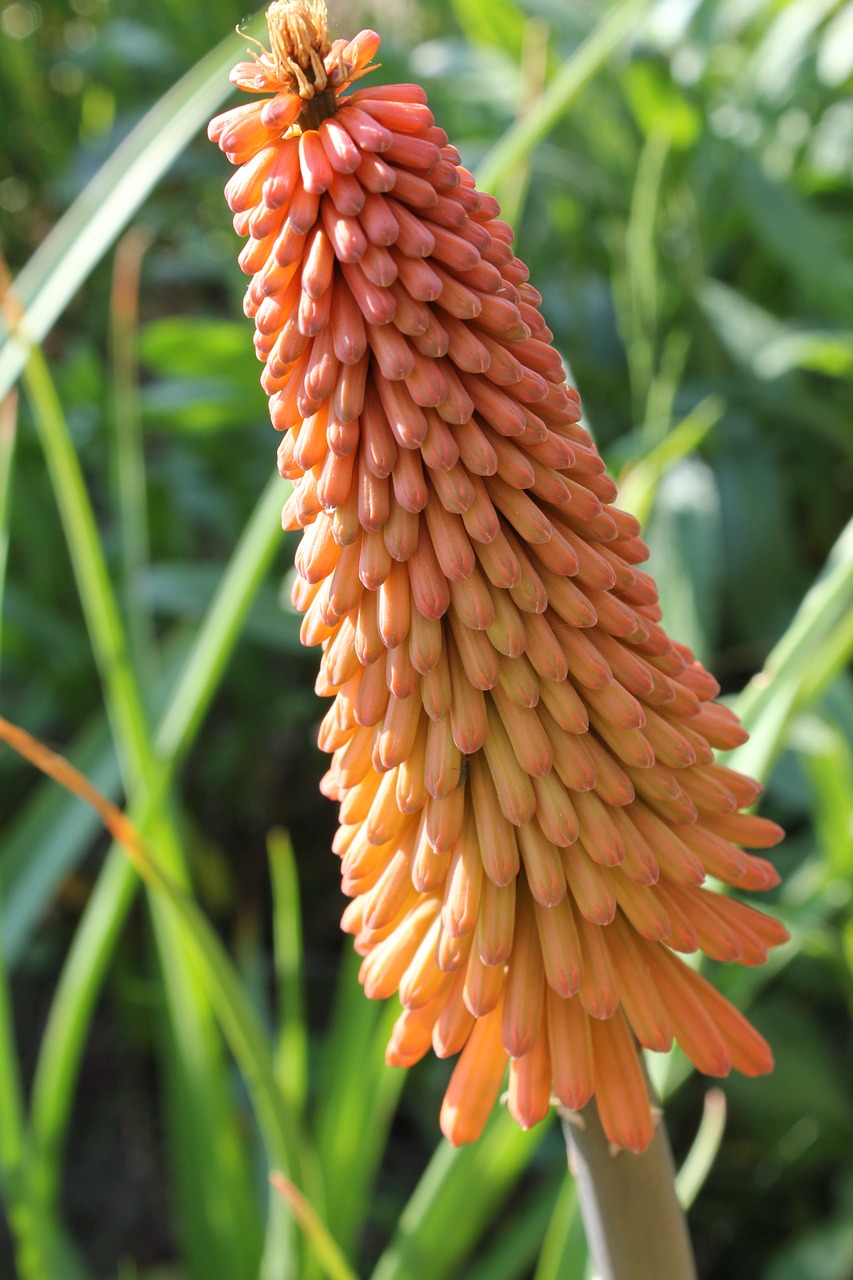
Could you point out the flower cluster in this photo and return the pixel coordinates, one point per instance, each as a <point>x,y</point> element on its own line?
<point>524,761</point>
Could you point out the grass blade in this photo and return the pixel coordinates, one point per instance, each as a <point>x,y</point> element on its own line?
<point>810,654</point>
<point>27,1223</point>
<point>130,500</point>
<point>292,1046</point>
<point>526,133</point>
<point>216,1242</point>
<point>513,1249</point>
<point>210,960</point>
<point>458,1195</point>
<point>102,211</point>
<point>703,1153</point>
<point>354,1108</point>
<point>564,1249</point>
<point>106,631</point>
<point>206,1133</point>
<point>104,916</point>
<point>71,1011</point>
<point>8,425</point>
<point>326,1248</point>
<point>639,482</point>
<point>54,831</point>
<point>222,625</point>
<point>235,1015</point>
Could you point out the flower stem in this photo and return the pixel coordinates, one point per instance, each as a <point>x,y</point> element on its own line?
<point>130,498</point>
<point>634,1224</point>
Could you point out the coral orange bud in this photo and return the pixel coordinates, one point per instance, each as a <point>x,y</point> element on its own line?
<point>523,759</point>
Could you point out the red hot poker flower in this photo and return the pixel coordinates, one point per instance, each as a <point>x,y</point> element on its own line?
<point>529,799</point>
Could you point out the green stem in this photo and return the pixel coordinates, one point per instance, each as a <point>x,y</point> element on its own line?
<point>106,632</point>
<point>70,1013</point>
<point>642,272</point>
<point>222,625</point>
<point>634,1223</point>
<point>701,1156</point>
<point>237,1017</point>
<point>78,988</point>
<point>130,496</point>
<point>518,142</point>
<point>103,919</point>
<point>26,1222</point>
<point>8,421</point>
<point>815,647</point>
<point>198,1081</point>
<point>292,1047</point>
<point>533,72</point>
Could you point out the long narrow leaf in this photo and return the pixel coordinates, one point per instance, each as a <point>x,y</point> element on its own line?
<point>703,1153</point>
<point>71,1010</point>
<point>216,1244</point>
<point>8,421</point>
<point>564,1249</point>
<point>292,1048</point>
<point>222,625</point>
<point>526,133</point>
<point>235,1011</point>
<point>103,620</point>
<point>797,662</point>
<point>103,919</point>
<point>458,1195</point>
<point>332,1261</point>
<point>354,1108</point>
<point>16,1179</point>
<point>102,211</point>
<point>131,499</point>
<point>514,1248</point>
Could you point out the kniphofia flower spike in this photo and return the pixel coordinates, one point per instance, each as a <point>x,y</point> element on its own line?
<point>529,799</point>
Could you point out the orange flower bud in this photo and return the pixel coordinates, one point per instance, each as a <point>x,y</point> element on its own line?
<point>522,757</point>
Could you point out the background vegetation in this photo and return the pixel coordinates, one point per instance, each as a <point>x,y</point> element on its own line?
<point>681,176</point>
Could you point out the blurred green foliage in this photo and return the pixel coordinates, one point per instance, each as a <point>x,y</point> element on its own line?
<point>686,213</point>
